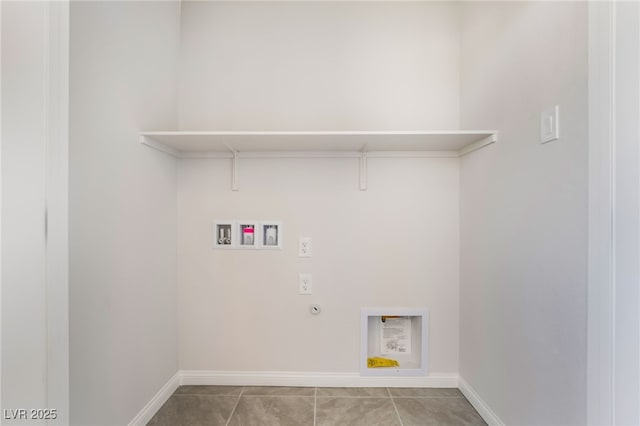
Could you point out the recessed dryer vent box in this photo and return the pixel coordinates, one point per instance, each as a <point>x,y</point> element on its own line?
<point>399,334</point>
<point>271,235</point>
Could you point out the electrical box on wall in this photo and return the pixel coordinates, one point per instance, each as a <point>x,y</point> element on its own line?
<point>247,234</point>
<point>394,342</point>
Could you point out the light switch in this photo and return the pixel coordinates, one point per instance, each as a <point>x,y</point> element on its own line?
<point>550,124</point>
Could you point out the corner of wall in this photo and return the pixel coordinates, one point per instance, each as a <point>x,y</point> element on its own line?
<point>479,404</point>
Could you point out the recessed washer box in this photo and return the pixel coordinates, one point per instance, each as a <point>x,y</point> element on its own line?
<point>400,334</point>
<point>224,234</point>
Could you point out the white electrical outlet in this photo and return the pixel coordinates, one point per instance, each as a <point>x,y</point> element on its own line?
<point>304,247</point>
<point>305,284</point>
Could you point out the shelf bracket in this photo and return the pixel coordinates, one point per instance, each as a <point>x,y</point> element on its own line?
<point>363,170</point>
<point>234,171</point>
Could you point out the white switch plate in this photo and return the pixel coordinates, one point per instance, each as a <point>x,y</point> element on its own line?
<point>304,247</point>
<point>305,284</point>
<point>550,124</point>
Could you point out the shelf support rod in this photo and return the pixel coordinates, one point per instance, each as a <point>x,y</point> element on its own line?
<point>363,170</point>
<point>234,171</point>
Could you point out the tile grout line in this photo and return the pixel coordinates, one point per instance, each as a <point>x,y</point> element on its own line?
<point>394,407</point>
<point>203,394</point>
<point>277,396</point>
<point>353,396</point>
<point>234,407</point>
<point>427,397</point>
<point>315,404</point>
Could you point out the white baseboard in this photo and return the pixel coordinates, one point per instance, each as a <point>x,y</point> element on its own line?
<point>315,379</point>
<point>284,378</point>
<point>481,407</point>
<point>152,407</point>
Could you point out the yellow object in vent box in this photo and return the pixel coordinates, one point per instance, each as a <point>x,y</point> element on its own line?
<point>378,362</point>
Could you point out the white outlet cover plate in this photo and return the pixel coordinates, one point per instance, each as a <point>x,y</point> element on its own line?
<point>550,124</point>
<point>305,284</point>
<point>304,247</point>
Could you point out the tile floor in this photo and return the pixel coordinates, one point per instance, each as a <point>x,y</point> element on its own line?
<point>295,406</point>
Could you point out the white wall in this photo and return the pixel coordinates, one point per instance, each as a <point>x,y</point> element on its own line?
<point>626,211</point>
<point>524,211</point>
<point>35,328</point>
<point>122,208</point>
<point>24,343</point>
<point>319,66</point>
<point>394,245</point>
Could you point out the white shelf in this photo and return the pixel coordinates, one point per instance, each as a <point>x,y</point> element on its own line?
<point>305,144</point>
<point>275,143</point>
